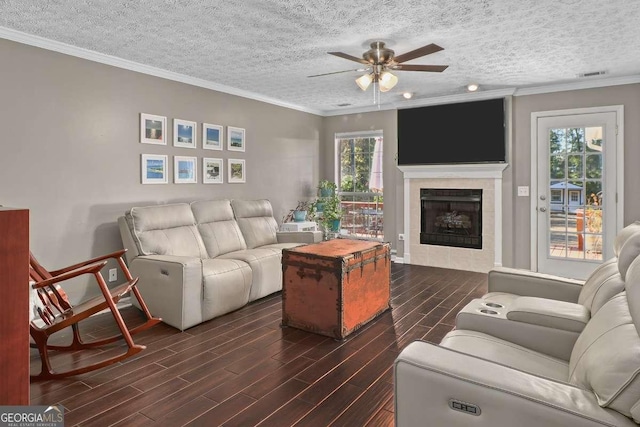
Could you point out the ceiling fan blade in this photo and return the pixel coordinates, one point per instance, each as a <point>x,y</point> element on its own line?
<point>430,68</point>
<point>417,53</point>
<point>338,72</point>
<point>349,57</point>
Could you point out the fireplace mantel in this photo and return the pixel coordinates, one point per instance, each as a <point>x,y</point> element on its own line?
<point>470,171</point>
<point>481,175</point>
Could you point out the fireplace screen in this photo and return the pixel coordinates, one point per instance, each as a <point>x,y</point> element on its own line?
<point>451,217</point>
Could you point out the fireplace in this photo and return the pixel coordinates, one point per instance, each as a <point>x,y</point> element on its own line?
<point>451,217</point>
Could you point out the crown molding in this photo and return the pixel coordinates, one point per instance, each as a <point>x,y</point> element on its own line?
<point>90,55</point>
<point>577,85</point>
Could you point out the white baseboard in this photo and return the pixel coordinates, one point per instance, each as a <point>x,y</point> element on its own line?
<point>399,260</point>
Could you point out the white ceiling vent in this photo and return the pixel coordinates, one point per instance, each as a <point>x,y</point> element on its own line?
<point>592,74</point>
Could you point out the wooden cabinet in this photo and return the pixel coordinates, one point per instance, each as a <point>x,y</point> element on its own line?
<point>14,314</point>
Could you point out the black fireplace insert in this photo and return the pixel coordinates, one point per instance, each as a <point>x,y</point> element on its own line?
<point>451,217</point>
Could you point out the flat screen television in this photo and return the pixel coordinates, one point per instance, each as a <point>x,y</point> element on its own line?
<point>469,132</point>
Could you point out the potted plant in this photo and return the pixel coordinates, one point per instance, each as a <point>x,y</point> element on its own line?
<point>327,188</point>
<point>300,213</point>
<point>332,213</point>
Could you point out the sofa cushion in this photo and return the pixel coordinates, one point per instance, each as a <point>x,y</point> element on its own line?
<point>226,286</point>
<point>256,221</point>
<point>266,269</point>
<point>218,228</point>
<point>506,353</point>
<point>605,357</point>
<point>165,230</point>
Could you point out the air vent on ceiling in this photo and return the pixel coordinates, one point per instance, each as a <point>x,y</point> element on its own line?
<point>592,74</point>
<point>344,105</point>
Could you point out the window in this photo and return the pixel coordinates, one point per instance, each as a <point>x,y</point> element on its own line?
<point>556,196</point>
<point>360,184</point>
<point>574,196</point>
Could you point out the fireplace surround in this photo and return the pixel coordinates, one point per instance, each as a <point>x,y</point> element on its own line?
<point>488,178</point>
<point>451,217</point>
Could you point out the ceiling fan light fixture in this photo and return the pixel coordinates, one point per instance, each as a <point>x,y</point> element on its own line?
<point>472,87</point>
<point>364,82</point>
<point>387,81</point>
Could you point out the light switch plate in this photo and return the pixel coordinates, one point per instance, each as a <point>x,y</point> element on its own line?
<point>523,191</point>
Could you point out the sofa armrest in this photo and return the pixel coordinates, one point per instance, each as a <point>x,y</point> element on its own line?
<point>550,313</point>
<point>529,283</point>
<point>530,329</point>
<point>429,379</point>
<point>299,236</point>
<point>171,287</point>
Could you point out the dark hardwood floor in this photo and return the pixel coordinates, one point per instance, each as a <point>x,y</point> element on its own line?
<point>242,369</point>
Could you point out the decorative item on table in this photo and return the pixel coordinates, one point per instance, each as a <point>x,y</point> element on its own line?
<point>328,207</point>
<point>300,213</point>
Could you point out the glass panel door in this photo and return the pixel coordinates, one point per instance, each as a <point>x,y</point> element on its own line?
<point>576,192</point>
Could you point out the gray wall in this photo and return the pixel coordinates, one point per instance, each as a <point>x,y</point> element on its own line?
<point>517,226</point>
<point>71,153</point>
<point>387,121</point>
<point>515,210</point>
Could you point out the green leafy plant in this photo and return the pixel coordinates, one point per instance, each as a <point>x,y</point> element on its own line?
<point>327,208</point>
<point>327,188</point>
<point>303,205</point>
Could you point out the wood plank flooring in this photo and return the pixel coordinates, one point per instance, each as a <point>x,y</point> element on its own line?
<point>242,369</point>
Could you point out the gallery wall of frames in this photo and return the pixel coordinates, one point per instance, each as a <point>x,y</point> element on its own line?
<point>154,168</point>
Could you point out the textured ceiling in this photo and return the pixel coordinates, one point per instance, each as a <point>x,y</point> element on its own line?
<point>269,47</point>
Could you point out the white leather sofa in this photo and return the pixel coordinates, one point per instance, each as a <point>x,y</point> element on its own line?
<point>551,325</point>
<point>506,285</point>
<point>201,260</point>
<point>474,378</point>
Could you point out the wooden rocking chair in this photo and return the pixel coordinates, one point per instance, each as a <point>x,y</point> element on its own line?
<point>58,314</point>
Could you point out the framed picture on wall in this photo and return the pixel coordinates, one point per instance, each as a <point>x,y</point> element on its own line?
<point>184,133</point>
<point>212,171</point>
<point>211,137</point>
<point>154,169</point>
<point>185,170</point>
<point>237,171</point>
<point>235,139</point>
<point>153,129</point>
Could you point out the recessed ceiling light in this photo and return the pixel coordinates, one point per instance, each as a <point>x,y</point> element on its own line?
<point>407,95</point>
<point>472,87</point>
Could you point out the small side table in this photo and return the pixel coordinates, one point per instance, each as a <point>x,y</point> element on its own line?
<point>299,226</point>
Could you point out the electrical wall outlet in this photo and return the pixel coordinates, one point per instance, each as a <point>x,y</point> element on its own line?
<point>523,191</point>
<point>400,236</point>
<point>113,274</point>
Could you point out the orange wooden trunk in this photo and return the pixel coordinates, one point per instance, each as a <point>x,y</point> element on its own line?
<point>332,288</point>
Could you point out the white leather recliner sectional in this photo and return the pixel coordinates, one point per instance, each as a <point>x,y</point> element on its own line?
<point>202,260</point>
<point>554,363</point>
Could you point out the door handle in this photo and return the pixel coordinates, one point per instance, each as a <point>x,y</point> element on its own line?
<point>542,209</point>
<point>543,197</point>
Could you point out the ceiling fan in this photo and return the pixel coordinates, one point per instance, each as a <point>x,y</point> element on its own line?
<point>379,60</point>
